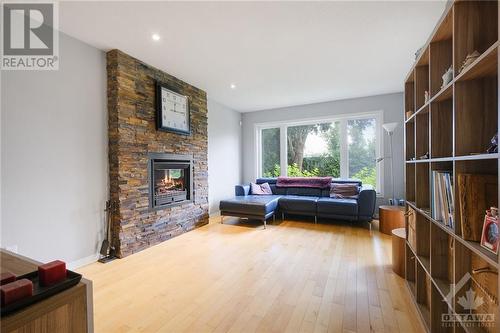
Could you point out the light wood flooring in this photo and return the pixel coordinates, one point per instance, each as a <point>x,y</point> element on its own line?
<point>236,277</point>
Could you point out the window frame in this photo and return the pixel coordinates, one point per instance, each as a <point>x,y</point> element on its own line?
<point>344,145</point>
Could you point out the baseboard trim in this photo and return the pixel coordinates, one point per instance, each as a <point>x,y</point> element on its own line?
<point>83,261</point>
<point>214,214</point>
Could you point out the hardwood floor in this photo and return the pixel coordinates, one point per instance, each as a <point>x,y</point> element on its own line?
<point>292,277</point>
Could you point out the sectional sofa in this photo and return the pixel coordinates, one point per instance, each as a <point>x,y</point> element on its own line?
<point>315,202</point>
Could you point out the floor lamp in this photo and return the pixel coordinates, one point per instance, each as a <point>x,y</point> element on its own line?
<point>389,128</point>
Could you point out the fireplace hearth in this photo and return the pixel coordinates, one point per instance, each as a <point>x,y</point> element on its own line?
<point>170,180</point>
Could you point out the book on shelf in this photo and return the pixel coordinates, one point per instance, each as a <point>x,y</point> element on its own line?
<point>442,197</point>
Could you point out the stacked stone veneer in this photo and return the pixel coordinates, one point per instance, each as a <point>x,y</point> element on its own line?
<point>132,135</point>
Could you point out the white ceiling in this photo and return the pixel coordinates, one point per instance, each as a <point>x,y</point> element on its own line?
<point>277,53</point>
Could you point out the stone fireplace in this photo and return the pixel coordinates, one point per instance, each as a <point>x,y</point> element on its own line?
<point>158,180</point>
<point>170,180</point>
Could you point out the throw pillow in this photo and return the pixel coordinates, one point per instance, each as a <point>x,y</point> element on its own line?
<point>261,189</point>
<point>347,190</point>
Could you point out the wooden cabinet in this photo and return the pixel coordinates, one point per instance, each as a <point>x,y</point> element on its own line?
<point>68,311</point>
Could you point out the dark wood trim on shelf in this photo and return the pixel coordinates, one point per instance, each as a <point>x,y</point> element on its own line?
<point>441,20</point>
<point>413,251</point>
<point>426,263</point>
<point>438,283</point>
<point>486,59</point>
<point>474,247</point>
<point>440,286</point>
<point>445,93</point>
<point>483,65</point>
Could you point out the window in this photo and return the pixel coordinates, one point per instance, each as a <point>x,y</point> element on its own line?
<point>313,150</point>
<point>345,147</point>
<point>361,139</point>
<point>270,149</point>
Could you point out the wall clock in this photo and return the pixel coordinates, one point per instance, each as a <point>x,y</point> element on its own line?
<point>172,110</point>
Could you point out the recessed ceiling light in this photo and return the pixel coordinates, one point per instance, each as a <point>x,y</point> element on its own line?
<point>233,86</point>
<point>155,37</point>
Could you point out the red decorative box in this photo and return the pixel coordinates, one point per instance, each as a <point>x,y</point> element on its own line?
<point>15,291</point>
<point>7,277</point>
<point>52,272</point>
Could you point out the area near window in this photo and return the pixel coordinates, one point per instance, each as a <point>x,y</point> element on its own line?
<point>346,146</point>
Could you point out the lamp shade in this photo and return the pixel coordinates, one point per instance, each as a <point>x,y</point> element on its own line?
<point>390,127</point>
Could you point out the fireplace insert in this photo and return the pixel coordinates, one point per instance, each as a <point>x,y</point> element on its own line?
<point>170,180</point>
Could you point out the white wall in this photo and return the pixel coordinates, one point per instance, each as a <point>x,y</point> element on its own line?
<point>224,153</point>
<point>391,104</point>
<point>54,156</point>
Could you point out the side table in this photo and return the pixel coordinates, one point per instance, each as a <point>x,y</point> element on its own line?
<point>390,217</point>
<point>398,251</point>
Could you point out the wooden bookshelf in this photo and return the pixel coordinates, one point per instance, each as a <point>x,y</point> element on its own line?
<point>448,129</point>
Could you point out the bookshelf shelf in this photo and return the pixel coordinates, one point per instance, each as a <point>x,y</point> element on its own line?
<point>478,157</point>
<point>454,125</point>
<point>411,118</point>
<point>429,217</point>
<point>410,95</point>
<point>444,94</point>
<point>422,134</point>
<point>489,257</point>
<point>473,246</point>
<point>443,287</point>
<point>426,264</point>
<point>485,65</point>
<point>410,182</point>
<point>458,158</point>
<point>441,119</point>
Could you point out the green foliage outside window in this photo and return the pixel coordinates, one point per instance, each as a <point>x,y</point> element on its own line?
<point>367,175</point>
<point>270,150</point>
<point>362,163</point>
<point>292,171</point>
<point>361,151</point>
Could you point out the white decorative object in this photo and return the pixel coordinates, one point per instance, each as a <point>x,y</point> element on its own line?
<point>173,111</point>
<point>469,60</point>
<point>447,77</point>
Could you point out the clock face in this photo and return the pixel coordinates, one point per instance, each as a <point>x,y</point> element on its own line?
<point>174,111</point>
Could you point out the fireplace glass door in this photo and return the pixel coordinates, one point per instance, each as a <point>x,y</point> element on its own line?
<point>171,181</point>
